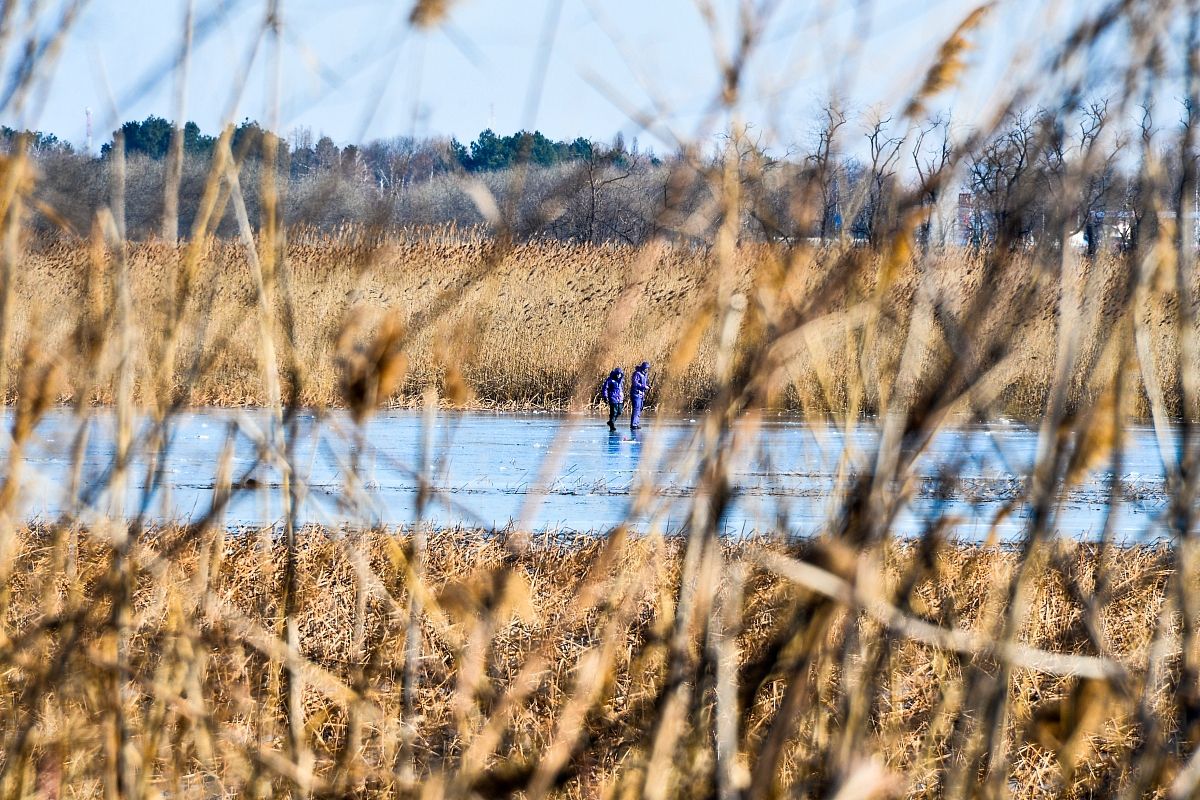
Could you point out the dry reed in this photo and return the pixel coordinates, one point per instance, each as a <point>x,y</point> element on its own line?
<point>205,714</point>
<point>520,337</point>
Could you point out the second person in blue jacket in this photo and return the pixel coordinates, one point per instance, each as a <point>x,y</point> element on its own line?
<point>639,385</point>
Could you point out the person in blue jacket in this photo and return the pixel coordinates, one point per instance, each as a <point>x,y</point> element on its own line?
<point>614,394</point>
<point>639,385</point>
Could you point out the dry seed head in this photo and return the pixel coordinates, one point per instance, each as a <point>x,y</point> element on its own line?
<point>460,347</point>
<point>870,779</point>
<point>27,175</point>
<point>39,382</point>
<point>1100,436</point>
<point>837,557</point>
<point>900,250</point>
<point>387,357</point>
<point>1162,259</point>
<point>1066,726</point>
<point>949,65</point>
<point>506,596</point>
<point>371,374</point>
<point>689,343</point>
<point>454,386</point>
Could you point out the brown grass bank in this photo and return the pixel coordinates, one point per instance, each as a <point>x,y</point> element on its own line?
<point>536,324</point>
<point>545,669</point>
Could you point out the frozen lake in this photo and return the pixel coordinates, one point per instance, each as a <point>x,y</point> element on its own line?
<point>492,469</point>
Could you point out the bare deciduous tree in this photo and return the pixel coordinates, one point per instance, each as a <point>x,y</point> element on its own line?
<point>824,166</point>
<point>932,154</point>
<point>884,150</point>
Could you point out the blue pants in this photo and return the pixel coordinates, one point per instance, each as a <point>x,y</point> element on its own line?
<point>635,416</point>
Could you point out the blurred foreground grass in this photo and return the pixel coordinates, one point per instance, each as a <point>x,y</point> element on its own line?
<point>547,664</point>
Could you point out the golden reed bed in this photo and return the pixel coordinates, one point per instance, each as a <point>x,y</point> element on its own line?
<point>545,669</point>
<point>523,326</point>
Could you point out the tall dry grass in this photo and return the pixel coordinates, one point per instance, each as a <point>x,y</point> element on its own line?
<point>520,336</point>
<point>530,685</point>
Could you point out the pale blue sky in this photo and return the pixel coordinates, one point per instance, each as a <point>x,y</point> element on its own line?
<point>609,58</point>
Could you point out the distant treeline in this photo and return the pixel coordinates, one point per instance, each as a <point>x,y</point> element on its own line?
<point>397,182</point>
<point>1040,177</point>
<point>489,152</point>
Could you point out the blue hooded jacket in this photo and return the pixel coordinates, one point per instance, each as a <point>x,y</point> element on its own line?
<point>640,383</point>
<point>614,387</point>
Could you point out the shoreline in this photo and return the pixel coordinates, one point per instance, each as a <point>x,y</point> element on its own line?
<point>566,539</point>
<point>416,403</point>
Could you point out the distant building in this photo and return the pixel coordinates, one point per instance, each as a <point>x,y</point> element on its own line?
<point>967,222</point>
<point>974,226</point>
